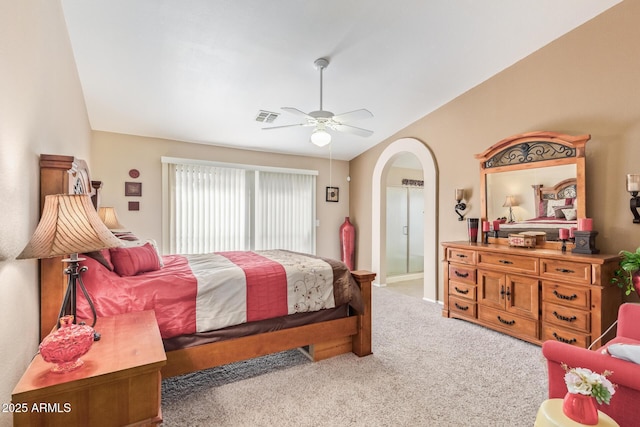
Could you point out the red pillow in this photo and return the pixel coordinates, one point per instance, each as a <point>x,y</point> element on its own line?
<point>103,256</point>
<point>135,260</point>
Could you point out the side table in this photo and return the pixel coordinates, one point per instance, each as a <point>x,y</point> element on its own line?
<point>119,383</point>
<point>550,415</point>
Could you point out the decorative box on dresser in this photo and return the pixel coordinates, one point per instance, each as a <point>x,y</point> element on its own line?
<point>532,294</point>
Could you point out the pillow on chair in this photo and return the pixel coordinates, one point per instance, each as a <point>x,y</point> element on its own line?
<point>628,352</point>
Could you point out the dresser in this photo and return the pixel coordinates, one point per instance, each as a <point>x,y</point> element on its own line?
<point>532,294</point>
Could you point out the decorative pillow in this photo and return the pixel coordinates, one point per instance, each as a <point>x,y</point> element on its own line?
<point>103,256</point>
<point>551,204</point>
<point>570,214</point>
<point>627,352</point>
<point>559,211</point>
<point>136,260</point>
<point>136,243</point>
<point>542,208</point>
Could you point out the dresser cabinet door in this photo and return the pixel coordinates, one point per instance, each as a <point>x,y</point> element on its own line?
<point>522,296</point>
<point>491,289</point>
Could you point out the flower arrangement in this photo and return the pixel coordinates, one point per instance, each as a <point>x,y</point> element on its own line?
<point>586,382</point>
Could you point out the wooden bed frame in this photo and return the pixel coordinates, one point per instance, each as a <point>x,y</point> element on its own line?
<point>556,192</point>
<point>66,174</point>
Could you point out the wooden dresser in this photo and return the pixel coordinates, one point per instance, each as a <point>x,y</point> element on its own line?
<point>532,294</point>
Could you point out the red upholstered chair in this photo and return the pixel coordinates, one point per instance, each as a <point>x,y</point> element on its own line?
<point>624,407</point>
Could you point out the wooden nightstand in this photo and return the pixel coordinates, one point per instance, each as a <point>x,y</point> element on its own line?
<point>119,383</point>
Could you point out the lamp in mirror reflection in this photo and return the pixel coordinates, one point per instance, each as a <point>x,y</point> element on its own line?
<point>460,205</point>
<point>633,187</point>
<point>510,202</point>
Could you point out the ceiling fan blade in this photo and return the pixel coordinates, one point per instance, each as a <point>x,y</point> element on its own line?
<point>352,129</point>
<point>353,115</point>
<point>297,112</point>
<point>287,126</point>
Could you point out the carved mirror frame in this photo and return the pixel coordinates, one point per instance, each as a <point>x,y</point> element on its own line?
<point>535,150</point>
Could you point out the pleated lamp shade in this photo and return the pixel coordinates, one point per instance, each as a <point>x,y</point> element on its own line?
<point>69,224</point>
<point>109,216</point>
<point>510,201</point>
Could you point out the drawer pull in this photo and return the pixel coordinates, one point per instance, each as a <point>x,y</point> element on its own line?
<point>564,318</point>
<point>463,275</point>
<point>564,270</point>
<point>564,340</point>
<point>461,291</point>
<point>565,297</point>
<point>461,256</point>
<point>460,307</point>
<point>507,322</point>
<point>504,261</point>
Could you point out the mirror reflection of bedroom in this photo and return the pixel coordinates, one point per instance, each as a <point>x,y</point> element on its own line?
<point>405,226</point>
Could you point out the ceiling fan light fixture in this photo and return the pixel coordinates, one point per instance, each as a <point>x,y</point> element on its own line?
<point>320,137</point>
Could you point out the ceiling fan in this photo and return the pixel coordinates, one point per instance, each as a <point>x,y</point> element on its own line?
<point>323,120</point>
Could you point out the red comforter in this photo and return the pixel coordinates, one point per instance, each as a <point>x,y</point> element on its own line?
<point>198,293</point>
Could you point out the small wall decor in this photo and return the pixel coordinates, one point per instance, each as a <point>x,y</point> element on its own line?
<point>133,189</point>
<point>332,194</point>
<point>134,173</point>
<point>134,206</point>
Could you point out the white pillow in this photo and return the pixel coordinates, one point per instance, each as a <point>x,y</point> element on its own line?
<point>551,204</point>
<point>570,214</point>
<point>627,352</point>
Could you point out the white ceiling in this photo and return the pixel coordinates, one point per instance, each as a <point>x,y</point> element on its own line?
<point>200,70</point>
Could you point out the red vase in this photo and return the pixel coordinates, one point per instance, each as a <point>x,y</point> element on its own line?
<point>580,408</point>
<point>348,243</point>
<point>65,346</point>
<point>635,279</point>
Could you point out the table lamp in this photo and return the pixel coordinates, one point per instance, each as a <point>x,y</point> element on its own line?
<point>109,216</point>
<point>69,225</point>
<point>510,202</point>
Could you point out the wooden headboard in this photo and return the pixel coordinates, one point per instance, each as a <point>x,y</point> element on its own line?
<point>565,189</point>
<point>59,175</point>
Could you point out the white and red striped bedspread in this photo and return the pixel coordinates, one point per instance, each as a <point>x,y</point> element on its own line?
<point>198,293</point>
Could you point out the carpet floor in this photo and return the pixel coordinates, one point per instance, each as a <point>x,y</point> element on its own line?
<point>426,370</point>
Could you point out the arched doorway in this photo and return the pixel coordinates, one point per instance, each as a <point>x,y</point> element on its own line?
<point>378,210</point>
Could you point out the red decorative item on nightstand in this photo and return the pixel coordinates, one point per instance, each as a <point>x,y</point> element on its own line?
<point>348,243</point>
<point>65,346</point>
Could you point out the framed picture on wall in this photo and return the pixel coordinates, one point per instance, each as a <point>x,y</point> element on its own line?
<point>332,194</point>
<point>133,189</point>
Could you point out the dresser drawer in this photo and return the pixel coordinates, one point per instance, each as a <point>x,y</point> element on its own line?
<point>462,290</point>
<point>555,333</point>
<point>510,262</point>
<point>462,307</point>
<point>463,256</point>
<point>516,325</point>
<point>567,317</point>
<point>462,273</point>
<point>566,270</point>
<point>570,296</point>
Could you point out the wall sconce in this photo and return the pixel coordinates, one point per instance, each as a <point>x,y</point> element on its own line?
<point>460,205</point>
<point>633,187</point>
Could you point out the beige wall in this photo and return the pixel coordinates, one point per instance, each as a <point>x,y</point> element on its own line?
<point>113,155</point>
<point>585,82</point>
<point>41,111</point>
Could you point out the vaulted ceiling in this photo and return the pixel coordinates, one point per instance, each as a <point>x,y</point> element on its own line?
<point>202,70</point>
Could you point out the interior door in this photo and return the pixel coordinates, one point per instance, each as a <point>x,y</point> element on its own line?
<point>397,231</point>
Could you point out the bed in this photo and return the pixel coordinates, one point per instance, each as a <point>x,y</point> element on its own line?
<point>555,208</point>
<point>339,325</point>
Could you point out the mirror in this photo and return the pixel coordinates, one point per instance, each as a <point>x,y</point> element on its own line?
<point>544,174</point>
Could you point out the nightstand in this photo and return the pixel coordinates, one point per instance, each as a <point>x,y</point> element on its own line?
<point>119,383</point>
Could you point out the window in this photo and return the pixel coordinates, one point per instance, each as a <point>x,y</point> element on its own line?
<point>223,207</point>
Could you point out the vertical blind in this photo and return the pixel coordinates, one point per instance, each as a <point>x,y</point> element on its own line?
<point>213,208</point>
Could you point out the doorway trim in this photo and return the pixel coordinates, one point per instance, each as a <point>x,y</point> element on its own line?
<point>379,207</point>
